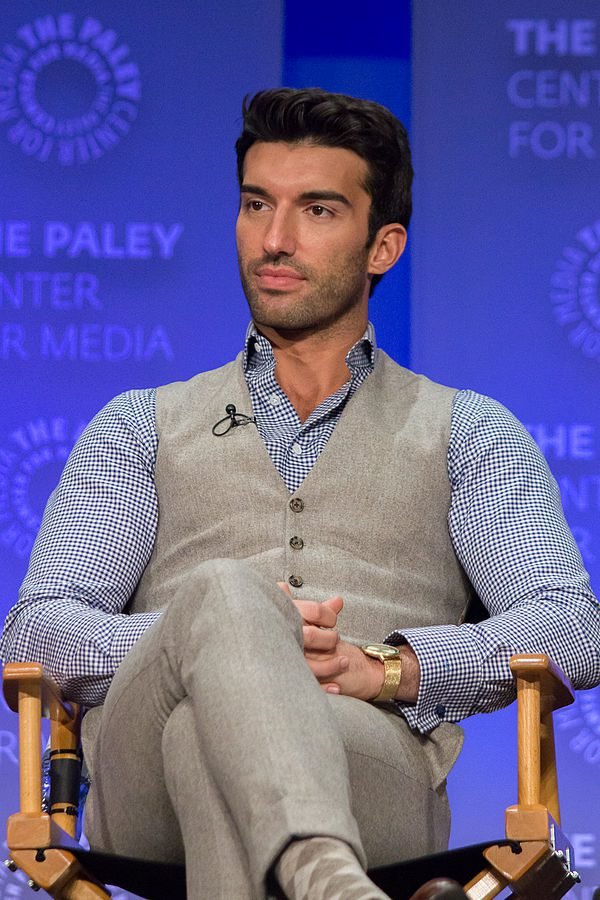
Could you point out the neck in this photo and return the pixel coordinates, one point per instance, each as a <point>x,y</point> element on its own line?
<point>309,367</point>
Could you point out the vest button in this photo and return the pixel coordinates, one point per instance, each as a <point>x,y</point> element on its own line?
<point>296,504</point>
<point>295,581</point>
<point>296,543</point>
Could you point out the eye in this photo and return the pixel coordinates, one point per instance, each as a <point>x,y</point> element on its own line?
<point>320,212</point>
<point>255,205</point>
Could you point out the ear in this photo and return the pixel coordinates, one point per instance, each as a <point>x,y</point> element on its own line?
<point>387,248</point>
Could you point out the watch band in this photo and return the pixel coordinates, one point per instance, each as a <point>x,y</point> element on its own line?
<point>391,680</point>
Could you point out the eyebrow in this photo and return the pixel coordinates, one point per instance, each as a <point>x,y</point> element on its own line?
<point>325,195</point>
<point>306,195</point>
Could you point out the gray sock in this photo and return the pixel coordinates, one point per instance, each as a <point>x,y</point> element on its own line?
<point>322,868</point>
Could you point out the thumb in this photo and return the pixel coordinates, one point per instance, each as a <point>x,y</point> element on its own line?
<point>284,587</point>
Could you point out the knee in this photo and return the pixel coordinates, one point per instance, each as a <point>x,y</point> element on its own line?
<point>214,577</point>
<point>231,587</point>
<point>235,582</point>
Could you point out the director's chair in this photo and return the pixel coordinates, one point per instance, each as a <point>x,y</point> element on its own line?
<point>534,860</point>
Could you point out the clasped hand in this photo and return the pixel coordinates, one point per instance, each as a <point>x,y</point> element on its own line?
<point>339,667</point>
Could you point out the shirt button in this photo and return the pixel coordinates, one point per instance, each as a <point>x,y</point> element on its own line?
<point>296,581</point>
<point>440,710</point>
<point>296,449</point>
<point>296,504</point>
<point>274,399</point>
<point>296,543</point>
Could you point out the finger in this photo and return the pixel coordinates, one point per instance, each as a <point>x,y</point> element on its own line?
<point>315,613</point>
<point>326,669</point>
<point>331,688</point>
<point>284,587</point>
<point>320,639</point>
<point>335,603</point>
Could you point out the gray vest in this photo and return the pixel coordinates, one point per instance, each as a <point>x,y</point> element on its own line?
<point>369,522</point>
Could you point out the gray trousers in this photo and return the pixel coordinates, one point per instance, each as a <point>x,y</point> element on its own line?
<point>218,746</point>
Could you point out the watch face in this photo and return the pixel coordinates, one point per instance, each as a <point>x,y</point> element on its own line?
<point>381,651</point>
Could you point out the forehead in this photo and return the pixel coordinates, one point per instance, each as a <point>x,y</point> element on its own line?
<point>304,166</point>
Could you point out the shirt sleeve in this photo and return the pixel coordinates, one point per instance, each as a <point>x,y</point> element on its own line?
<point>96,538</point>
<point>509,532</point>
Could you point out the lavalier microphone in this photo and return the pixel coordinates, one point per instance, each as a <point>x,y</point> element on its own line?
<point>231,420</point>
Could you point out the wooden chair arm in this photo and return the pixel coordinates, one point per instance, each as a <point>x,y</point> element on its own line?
<point>27,676</point>
<point>541,688</point>
<point>555,688</point>
<point>543,865</point>
<point>32,693</point>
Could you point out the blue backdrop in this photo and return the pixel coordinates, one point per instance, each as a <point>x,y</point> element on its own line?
<point>506,134</point>
<point>117,259</point>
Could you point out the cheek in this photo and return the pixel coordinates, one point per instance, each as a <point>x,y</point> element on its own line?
<point>247,238</point>
<point>241,240</point>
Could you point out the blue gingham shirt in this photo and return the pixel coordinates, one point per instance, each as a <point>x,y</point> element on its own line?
<point>292,445</point>
<point>505,522</point>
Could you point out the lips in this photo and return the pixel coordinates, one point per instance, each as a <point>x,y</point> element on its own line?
<point>278,277</point>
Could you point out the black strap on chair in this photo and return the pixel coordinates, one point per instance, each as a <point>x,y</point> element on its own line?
<point>151,880</point>
<point>401,880</point>
<point>155,881</point>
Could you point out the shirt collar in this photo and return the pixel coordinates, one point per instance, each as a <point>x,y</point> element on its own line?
<point>258,353</point>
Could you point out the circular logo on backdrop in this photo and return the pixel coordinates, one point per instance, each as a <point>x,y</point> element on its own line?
<point>574,291</point>
<point>581,724</point>
<point>31,460</point>
<point>68,88</point>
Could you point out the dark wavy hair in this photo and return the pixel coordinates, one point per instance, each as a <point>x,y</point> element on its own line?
<point>337,120</point>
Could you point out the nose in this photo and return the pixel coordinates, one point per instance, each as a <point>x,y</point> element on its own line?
<point>280,236</point>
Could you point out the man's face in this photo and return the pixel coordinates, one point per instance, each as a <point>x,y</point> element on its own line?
<point>301,236</point>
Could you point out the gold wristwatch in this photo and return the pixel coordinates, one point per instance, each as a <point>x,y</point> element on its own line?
<point>392,664</point>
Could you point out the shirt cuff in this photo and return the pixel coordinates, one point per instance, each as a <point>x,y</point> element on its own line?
<point>452,676</point>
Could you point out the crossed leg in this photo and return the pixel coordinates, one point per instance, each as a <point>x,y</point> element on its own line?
<point>217,745</point>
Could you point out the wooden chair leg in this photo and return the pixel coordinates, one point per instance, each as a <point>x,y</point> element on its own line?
<point>485,885</point>
<point>30,746</point>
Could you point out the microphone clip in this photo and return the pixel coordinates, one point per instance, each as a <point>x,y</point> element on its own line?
<point>231,420</point>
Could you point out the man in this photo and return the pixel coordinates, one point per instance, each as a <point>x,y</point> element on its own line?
<point>251,729</point>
